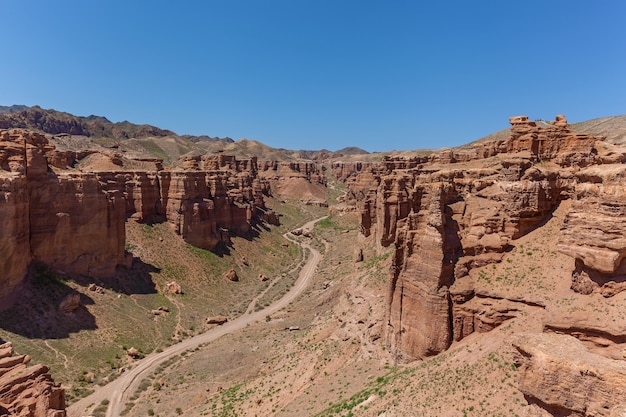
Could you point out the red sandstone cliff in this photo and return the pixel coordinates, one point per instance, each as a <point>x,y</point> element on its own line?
<point>73,219</point>
<point>302,180</point>
<point>453,211</point>
<point>69,221</point>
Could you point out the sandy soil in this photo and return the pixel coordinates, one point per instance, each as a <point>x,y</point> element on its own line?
<point>119,391</point>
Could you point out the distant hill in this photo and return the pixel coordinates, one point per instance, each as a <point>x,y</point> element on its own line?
<point>352,150</point>
<point>77,132</point>
<point>12,109</point>
<point>93,132</point>
<point>68,131</point>
<point>56,122</point>
<point>613,128</point>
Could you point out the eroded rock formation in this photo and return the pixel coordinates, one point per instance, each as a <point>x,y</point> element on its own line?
<point>27,391</point>
<point>73,218</point>
<point>304,181</point>
<point>450,212</point>
<point>559,376</point>
<point>595,231</point>
<point>70,221</point>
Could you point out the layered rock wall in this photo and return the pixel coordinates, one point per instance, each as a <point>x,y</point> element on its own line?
<point>77,224</point>
<point>449,213</point>
<point>342,171</point>
<point>305,181</point>
<point>71,221</point>
<point>278,172</point>
<point>74,221</point>
<point>14,233</point>
<point>203,207</point>
<point>559,376</point>
<point>594,231</point>
<point>442,229</point>
<point>27,391</point>
<point>422,271</point>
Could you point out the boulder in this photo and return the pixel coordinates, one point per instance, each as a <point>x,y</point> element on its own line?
<point>173,287</point>
<point>133,353</point>
<point>217,320</point>
<point>95,288</point>
<point>231,275</point>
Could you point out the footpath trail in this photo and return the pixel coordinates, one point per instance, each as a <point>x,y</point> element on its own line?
<point>119,391</point>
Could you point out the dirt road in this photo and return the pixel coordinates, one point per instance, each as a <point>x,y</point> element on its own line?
<point>119,391</point>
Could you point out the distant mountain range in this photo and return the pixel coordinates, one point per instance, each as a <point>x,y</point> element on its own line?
<point>98,131</point>
<point>77,132</point>
<point>12,109</point>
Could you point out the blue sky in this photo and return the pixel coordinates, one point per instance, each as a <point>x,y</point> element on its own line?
<point>315,74</point>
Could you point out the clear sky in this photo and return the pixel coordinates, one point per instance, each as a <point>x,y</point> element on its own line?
<point>312,74</point>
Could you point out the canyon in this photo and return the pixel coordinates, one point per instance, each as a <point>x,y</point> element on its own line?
<point>524,232</point>
<point>453,213</point>
<point>73,219</point>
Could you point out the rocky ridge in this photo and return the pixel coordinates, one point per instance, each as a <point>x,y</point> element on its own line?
<point>55,122</point>
<point>453,212</point>
<point>69,209</point>
<point>448,216</point>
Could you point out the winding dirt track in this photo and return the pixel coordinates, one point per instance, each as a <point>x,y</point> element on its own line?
<point>119,391</point>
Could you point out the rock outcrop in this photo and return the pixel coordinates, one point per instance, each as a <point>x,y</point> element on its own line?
<point>595,231</point>
<point>558,376</point>
<point>72,218</point>
<point>77,223</point>
<point>304,181</point>
<point>343,171</point>
<point>450,212</point>
<point>27,391</point>
<point>231,275</point>
<point>69,221</point>
<point>15,232</point>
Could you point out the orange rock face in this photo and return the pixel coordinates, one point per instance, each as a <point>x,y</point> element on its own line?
<point>77,224</point>
<point>446,218</point>
<point>69,221</point>
<point>594,232</point>
<point>27,391</point>
<point>14,233</point>
<point>558,375</point>
<point>74,221</point>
